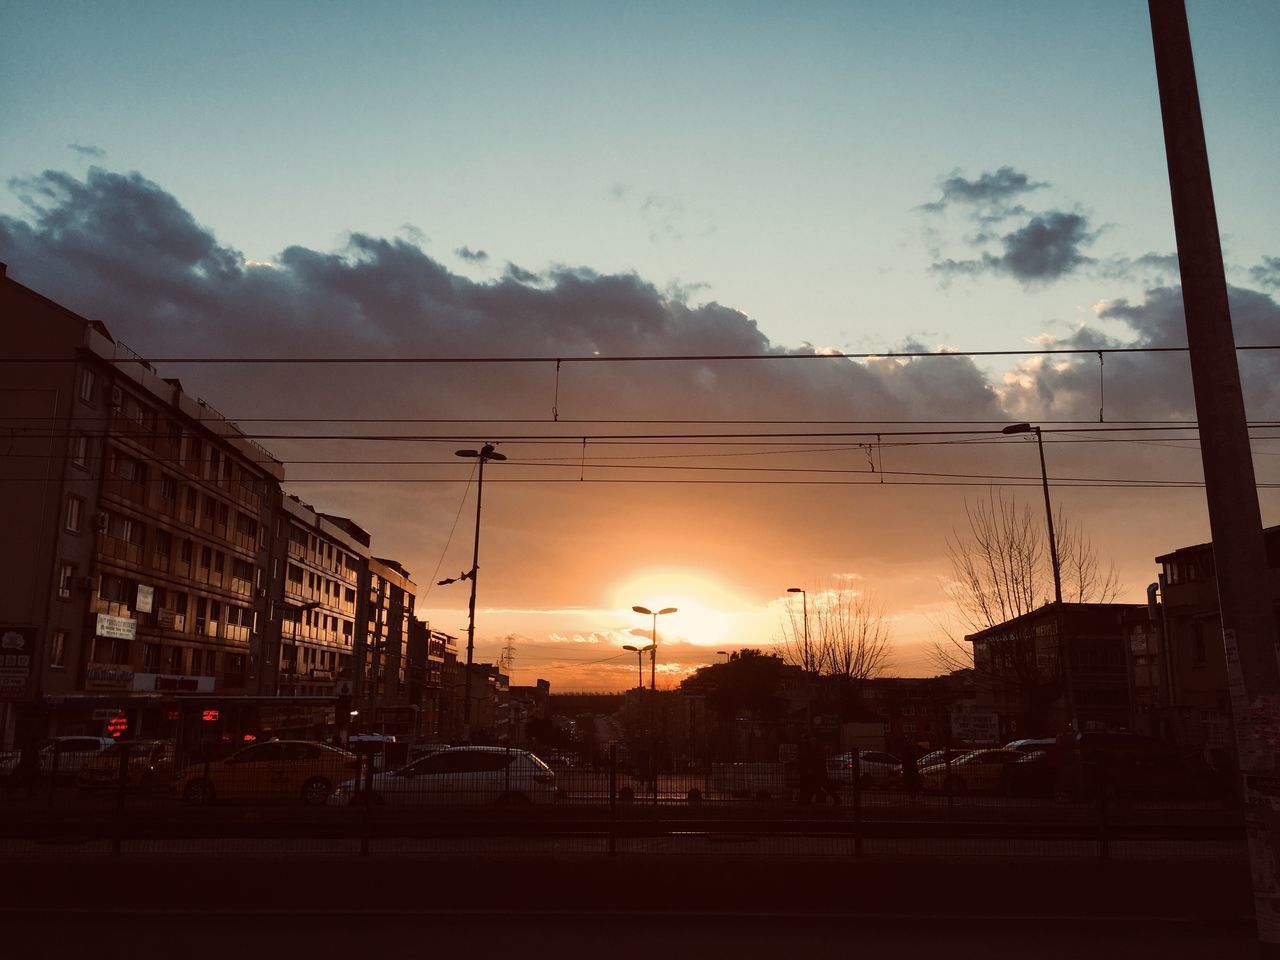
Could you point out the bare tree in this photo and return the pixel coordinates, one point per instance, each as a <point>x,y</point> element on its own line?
<point>1002,570</point>
<point>848,635</point>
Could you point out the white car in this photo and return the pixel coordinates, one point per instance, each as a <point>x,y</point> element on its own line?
<point>459,776</point>
<point>875,768</point>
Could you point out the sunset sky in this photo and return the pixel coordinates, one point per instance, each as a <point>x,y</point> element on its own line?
<point>565,180</point>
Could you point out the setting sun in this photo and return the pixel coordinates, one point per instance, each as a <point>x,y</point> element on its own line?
<point>709,612</point>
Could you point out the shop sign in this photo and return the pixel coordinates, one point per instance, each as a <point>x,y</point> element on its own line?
<point>170,682</point>
<point>976,726</point>
<point>146,598</point>
<point>116,628</point>
<point>17,645</point>
<point>108,676</point>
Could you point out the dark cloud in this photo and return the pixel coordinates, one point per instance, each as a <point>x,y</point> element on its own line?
<point>473,256</point>
<point>1151,386</point>
<point>1046,248</point>
<point>88,151</point>
<point>989,197</point>
<point>1267,273</point>
<point>519,274</point>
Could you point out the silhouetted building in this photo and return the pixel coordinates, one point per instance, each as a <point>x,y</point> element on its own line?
<point>1019,670</point>
<point>1194,673</point>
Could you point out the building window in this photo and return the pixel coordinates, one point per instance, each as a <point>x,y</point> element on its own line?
<point>1199,652</point>
<point>151,657</point>
<point>86,385</point>
<point>206,556</point>
<point>175,660</point>
<point>74,515</point>
<point>80,450</point>
<point>164,542</point>
<point>168,487</point>
<point>66,576</point>
<point>58,650</point>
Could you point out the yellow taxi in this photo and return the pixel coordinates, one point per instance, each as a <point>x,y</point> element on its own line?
<point>150,764</point>
<point>267,772</point>
<point>978,771</point>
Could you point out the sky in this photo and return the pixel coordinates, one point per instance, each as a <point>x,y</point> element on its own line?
<point>574,180</point>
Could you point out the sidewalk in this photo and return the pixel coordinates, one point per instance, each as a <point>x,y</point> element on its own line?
<point>756,935</point>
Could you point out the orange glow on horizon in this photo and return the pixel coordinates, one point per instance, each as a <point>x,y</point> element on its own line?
<point>707,607</point>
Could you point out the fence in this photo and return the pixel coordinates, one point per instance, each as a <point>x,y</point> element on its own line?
<point>299,797</point>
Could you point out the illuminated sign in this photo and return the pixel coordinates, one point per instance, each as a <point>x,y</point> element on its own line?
<point>210,716</point>
<point>117,726</point>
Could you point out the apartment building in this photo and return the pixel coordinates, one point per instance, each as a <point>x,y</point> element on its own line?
<point>139,519</point>
<point>382,674</point>
<point>322,564</point>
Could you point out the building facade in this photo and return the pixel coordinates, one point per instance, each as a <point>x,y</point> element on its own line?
<point>146,517</point>
<point>1194,667</point>
<point>1020,674</point>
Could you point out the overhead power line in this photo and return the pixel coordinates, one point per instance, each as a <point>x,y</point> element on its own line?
<point>655,358</point>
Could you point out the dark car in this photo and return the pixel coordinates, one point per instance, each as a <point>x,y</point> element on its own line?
<point>1130,765</point>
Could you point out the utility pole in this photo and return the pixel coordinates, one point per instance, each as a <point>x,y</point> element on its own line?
<point>1235,522</point>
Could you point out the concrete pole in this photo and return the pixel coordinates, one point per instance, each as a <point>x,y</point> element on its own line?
<point>1235,522</point>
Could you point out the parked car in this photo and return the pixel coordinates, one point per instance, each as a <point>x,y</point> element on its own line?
<point>458,776</point>
<point>149,763</point>
<point>940,756</point>
<point>1127,764</point>
<point>875,768</point>
<point>63,756</point>
<point>978,770</point>
<point>1030,746</point>
<point>1035,775</point>
<point>272,771</point>
<point>419,750</point>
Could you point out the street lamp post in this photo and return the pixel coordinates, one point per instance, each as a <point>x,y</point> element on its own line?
<point>639,652</point>
<point>1064,652</point>
<point>653,692</point>
<point>484,454</point>
<point>724,653</point>
<point>804,599</point>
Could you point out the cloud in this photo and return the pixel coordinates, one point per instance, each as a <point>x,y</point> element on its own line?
<point>989,197</point>
<point>88,151</point>
<point>664,215</point>
<point>472,256</point>
<point>1046,248</point>
<point>1267,273</point>
<point>568,517</point>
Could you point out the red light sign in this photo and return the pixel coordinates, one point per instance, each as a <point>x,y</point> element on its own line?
<point>117,726</point>
<point>248,738</point>
<point>210,716</point>
<point>171,716</point>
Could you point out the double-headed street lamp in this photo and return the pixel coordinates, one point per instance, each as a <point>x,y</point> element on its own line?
<point>639,652</point>
<point>484,454</point>
<point>1068,684</point>
<point>653,641</point>
<point>653,692</point>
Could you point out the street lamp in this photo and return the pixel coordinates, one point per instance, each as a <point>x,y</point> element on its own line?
<point>653,691</point>
<point>484,454</point>
<point>724,653</point>
<point>804,597</point>
<point>1063,650</point>
<point>639,652</point>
